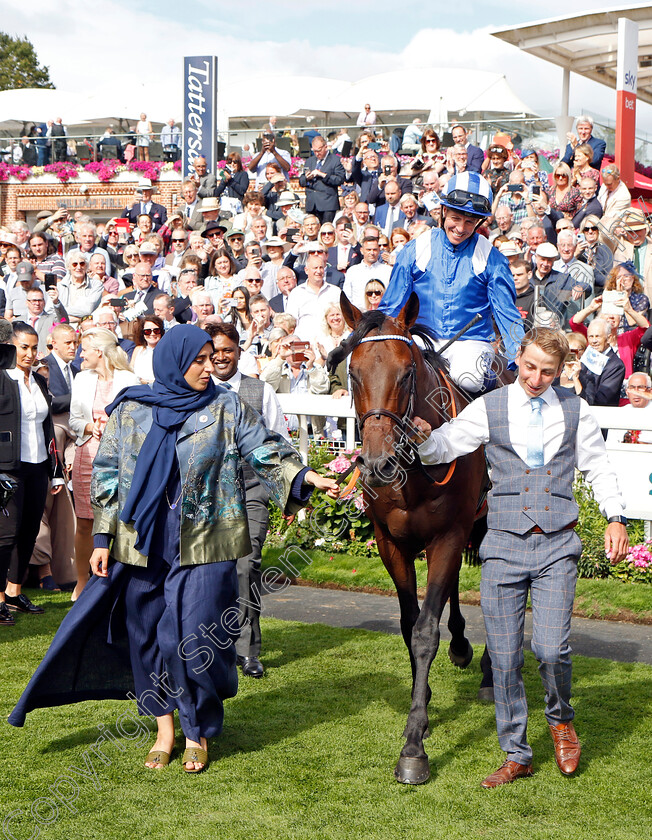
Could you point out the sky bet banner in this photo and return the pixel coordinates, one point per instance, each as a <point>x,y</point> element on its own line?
<point>626,83</point>
<point>199,111</point>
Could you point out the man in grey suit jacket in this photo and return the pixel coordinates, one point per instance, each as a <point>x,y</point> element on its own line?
<point>535,436</point>
<point>42,321</point>
<point>321,179</point>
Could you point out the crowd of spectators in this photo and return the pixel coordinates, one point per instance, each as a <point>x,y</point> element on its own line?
<point>244,247</point>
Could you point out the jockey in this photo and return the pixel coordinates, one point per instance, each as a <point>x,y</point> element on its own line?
<point>456,273</point>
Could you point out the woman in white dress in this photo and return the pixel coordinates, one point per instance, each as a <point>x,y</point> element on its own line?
<point>144,135</point>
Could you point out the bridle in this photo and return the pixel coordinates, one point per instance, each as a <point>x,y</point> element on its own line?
<point>385,412</point>
<point>401,421</point>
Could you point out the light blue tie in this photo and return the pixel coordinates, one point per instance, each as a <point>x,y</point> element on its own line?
<point>535,434</point>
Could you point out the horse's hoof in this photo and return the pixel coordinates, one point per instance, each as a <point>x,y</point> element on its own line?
<point>486,694</point>
<point>461,660</point>
<point>412,771</point>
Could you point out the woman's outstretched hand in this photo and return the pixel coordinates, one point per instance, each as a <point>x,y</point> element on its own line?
<point>321,482</point>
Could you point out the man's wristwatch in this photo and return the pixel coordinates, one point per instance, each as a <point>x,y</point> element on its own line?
<point>621,519</point>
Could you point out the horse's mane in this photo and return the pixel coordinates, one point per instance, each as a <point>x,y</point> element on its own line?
<point>373,320</point>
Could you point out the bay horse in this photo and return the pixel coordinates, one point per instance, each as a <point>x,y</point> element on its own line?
<point>412,507</point>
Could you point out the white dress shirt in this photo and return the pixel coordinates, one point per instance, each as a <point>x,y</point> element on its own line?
<point>272,415</point>
<point>308,307</point>
<point>357,278</point>
<point>33,411</point>
<point>471,429</point>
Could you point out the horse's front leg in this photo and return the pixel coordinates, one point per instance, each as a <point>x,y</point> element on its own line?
<point>413,767</point>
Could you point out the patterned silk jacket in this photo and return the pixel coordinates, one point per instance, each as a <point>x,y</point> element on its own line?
<point>209,447</point>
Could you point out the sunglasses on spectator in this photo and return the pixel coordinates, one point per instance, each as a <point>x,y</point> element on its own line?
<point>131,256</point>
<point>430,140</point>
<point>178,238</point>
<point>560,175</point>
<point>374,293</point>
<point>215,233</point>
<point>153,331</point>
<point>253,280</point>
<point>592,227</point>
<point>77,264</point>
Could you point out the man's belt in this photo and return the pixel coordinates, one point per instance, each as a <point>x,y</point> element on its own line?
<point>537,530</point>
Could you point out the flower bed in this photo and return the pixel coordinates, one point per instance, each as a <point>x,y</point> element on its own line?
<point>105,170</point>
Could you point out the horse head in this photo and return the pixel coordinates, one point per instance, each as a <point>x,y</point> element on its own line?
<point>383,372</point>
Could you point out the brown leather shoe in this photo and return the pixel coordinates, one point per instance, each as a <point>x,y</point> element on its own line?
<point>508,771</point>
<point>567,746</point>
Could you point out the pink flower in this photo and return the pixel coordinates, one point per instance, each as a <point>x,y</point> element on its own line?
<point>339,464</point>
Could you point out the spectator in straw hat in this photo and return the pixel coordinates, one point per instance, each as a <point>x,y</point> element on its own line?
<point>637,246</point>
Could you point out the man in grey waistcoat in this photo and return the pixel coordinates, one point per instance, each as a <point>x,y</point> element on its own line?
<point>261,397</point>
<point>535,436</point>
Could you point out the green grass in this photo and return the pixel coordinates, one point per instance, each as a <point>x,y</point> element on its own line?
<point>308,752</point>
<point>595,598</point>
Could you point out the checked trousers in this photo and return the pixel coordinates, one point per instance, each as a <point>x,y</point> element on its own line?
<point>545,565</point>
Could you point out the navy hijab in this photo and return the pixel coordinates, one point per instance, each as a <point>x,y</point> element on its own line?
<point>173,401</point>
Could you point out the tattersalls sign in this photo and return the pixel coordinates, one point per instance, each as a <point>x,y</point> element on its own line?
<point>199,111</point>
<point>626,79</point>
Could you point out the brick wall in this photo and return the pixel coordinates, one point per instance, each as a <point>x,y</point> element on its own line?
<point>101,200</point>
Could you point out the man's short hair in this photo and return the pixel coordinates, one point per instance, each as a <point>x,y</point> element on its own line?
<point>522,263</point>
<point>224,329</point>
<point>407,197</point>
<point>59,329</point>
<point>552,342</point>
<point>258,298</point>
<point>584,119</point>
<point>648,379</point>
<point>105,310</point>
<point>164,297</point>
<point>372,239</point>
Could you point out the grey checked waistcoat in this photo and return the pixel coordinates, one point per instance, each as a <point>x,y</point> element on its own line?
<point>522,496</point>
<point>251,392</point>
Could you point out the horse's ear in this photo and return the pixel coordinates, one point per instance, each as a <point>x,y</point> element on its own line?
<point>410,312</point>
<point>351,313</point>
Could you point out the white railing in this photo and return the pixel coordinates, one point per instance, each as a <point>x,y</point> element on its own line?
<point>307,405</point>
<point>631,462</point>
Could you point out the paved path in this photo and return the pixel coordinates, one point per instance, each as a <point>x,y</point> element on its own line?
<point>615,640</point>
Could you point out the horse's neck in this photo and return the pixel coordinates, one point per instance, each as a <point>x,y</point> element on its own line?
<point>433,394</point>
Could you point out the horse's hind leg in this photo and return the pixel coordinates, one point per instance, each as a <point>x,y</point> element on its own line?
<point>460,651</point>
<point>486,692</point>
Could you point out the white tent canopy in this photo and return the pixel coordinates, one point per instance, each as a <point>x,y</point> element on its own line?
<point>441,89</point>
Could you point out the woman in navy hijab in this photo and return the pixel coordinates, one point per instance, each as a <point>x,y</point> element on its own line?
<point>170,522</point>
